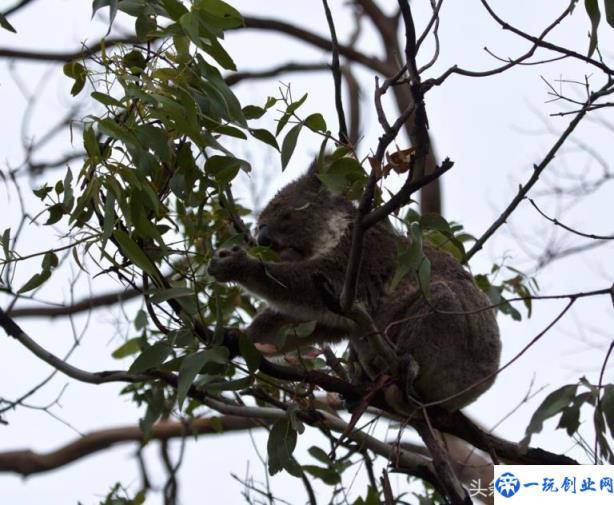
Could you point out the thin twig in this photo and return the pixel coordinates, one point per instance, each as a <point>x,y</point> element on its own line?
<point>569,229</point>
<point>537,171</point>
<point>336,70</point>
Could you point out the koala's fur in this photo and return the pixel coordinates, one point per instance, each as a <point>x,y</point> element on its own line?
<point>310,228</point>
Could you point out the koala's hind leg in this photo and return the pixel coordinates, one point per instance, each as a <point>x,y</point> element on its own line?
<point>455,345</point>
<point>408,373</point>
<point>376,354</point>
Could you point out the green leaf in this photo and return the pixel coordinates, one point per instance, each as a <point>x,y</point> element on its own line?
<point>194,25</point>
<point>134,253</point>
<point>78,72</point>
<point>265,136</point>
<point>288,114</point>
<point>408,258</point>
<point>114,130</point>
<point>280,446</point>
<point>55,213</point>
<point>174,8</point>
<point>140,321</point>
<point>145,27</point>
<point>609,12</point>
<point>552,405</point>
<point>424,277</point>
<point>231,131</point>
<point>434,221</point>
<point>253,112</point>
<point>223,168</point>
<point>109,218</point>
<point>161,295</point>
<point>156,139</point>
<point>35,281</point>
<point>151,357</point>
<point>607,406</point>
<point>50,261</point>
<point>315,122</point>
<point>288,145</point>
<point>105,99</point>
<point>190,368</point>
<point>592,9</point>
<point>69,198</point>
<point>327,475</point>
<point>135,61</point>
<point>570,417</point>
<point>342,174</point>
<point>98,4</point>
<point>320,455</point>
<point>304,330</point>
<point>232,385</point>
<point>5,240</point>
<point>43,191</point>
<point>5,24</point>
<point>250,354</point>
<point>129,347</point>
<point>220,10</point>
<point>90,142</point>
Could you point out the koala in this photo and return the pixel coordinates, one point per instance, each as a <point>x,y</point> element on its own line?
<point>310,228</point>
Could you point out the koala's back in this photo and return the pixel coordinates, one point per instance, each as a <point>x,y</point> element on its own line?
<point>453,351</point>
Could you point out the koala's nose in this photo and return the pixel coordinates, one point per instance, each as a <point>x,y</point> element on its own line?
<point>263,236</point>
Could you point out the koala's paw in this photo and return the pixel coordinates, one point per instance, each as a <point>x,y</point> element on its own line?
<point>227,264</point>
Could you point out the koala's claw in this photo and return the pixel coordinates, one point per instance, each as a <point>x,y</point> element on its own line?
<point>226,264</point>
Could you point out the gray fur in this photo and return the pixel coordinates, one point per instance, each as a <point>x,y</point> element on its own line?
<point>310,228</point>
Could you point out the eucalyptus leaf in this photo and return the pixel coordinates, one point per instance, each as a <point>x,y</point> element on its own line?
<point>152,357</point>
<point>289,144</point>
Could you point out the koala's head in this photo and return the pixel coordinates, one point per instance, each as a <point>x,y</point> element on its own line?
<point>304,219</point>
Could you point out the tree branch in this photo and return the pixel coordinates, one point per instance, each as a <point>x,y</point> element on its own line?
<point>315,40</point>
<point>429,83</point>
<point>336,70</point>
<point>556,222</point>
<point>543,43</point>
<point>385,26</point>
<point>284,68</point>
<point>453,423</point>
<point>16,7</point>
<point>26,462</point>
<point>64,57</point>
<point>537,171</point>
<point>93,302</point>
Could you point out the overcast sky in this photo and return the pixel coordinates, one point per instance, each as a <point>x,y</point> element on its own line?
<point>494,129</point>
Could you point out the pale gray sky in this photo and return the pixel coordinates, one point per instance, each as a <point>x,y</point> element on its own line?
<point>493,128</point>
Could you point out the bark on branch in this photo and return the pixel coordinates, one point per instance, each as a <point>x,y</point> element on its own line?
<point>27,462</point>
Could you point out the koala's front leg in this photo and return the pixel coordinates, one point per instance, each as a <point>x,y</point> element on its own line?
<point>292,288</point>
<point>265,327</point>
<point>230,264</point>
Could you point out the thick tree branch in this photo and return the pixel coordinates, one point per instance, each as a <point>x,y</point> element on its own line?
<point>13,330</point>
<point>93,302</point>
<point>354,93</point>
<point>453,423</point>
<point>67,56</point>
<point>26,462</point>
<point>315,40</point>
<point>16,7</point>
<point>284,68</point>
<point>385,26</point>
